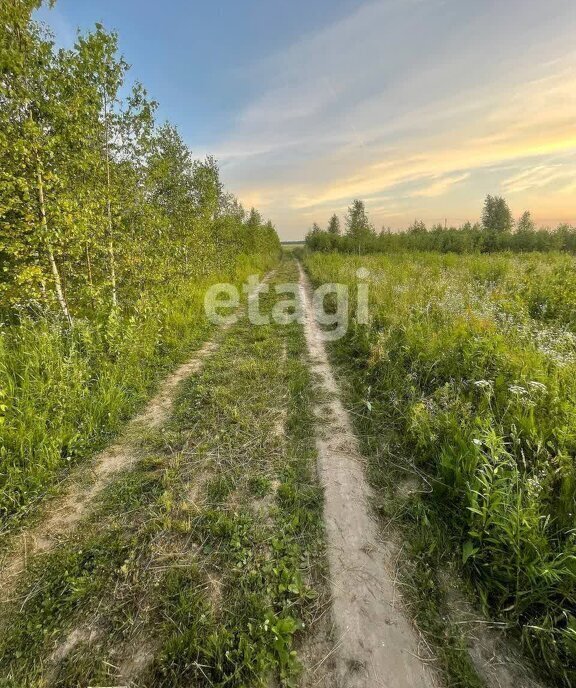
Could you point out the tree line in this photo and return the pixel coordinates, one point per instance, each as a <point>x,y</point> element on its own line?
<point>497,231</point>
<point>99,202</point>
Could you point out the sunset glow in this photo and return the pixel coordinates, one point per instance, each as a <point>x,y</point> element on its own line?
<point>419,107</point>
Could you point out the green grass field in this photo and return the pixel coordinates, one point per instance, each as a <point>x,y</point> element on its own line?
<point>205,564</point>
<point>465,383</point>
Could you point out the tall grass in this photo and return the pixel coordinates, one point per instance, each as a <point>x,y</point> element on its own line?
<point>469,367</point>
<point>64,392</point>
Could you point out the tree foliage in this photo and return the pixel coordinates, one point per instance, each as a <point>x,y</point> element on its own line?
<point>494,234</point>
<point>358,225</point>
<point>334,225</point>
<point>496,216</point>
<point>98,203</point>
<point>526,224</point>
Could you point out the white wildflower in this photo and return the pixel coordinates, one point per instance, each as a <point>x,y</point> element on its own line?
<point>537,386</point>
<point>518,390</point>
<point>483,384</point>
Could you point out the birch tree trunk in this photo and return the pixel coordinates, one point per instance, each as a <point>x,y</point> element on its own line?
<point>111,255</point>
<point>51,258</point>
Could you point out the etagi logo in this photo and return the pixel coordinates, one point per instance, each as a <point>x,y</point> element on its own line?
<point>329,304</point>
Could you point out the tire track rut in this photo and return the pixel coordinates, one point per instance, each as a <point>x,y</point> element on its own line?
<point>375,643</point>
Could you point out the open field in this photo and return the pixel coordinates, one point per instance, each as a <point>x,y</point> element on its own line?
<point>290,246</point>
<point>226,537</point>
<point>217,542</point>
<point>464,395</point>
<point>344,460</point>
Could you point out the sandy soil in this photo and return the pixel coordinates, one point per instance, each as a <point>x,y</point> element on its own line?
<point>374,642</point>
<point>497,661</point>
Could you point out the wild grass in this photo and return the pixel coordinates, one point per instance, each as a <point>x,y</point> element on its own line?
<point>64,392</point>
<point>466,378</point>
<point>203,566</point>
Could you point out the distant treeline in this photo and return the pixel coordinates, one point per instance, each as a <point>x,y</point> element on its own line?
<point>98,203</point>
<point>497,231</point>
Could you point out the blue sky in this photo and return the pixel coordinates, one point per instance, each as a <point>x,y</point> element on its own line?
<point>420,107</point>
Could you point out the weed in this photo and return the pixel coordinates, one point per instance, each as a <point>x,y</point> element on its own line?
<point>222,593</point>
<point>460,372</point>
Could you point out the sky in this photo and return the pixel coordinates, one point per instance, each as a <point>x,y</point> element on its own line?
<point>418,107</point>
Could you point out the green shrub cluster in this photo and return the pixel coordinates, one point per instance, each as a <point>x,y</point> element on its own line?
<point>466,239</point>
<point>496,232</point>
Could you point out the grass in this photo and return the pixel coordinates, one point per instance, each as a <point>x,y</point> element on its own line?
<point>209,556</point>
<point>64,393</point>
<point>465,382</point>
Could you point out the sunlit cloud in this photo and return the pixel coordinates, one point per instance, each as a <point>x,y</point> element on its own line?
<point>377,107</point>
<point>441,186</point>
<point>535,178</point>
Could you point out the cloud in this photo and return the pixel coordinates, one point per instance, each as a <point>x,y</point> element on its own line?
<point>534,178</point>
<point>442,185</point>
<point>418,99</point>
<point>64,32</point>
<point>560,175</point>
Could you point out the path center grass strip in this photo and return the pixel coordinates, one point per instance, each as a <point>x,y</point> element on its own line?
<point>204,566</point>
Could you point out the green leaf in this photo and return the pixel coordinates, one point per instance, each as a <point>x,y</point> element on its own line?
<point>468,550</point>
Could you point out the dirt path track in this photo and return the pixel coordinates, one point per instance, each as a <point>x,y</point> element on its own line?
<point>376,645</point>
<point>65,511</point>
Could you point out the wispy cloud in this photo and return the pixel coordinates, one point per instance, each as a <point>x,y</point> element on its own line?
<point>64,32</point>
<point>423,95</point>
<point>441,185</point>
<point>559,175</point>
